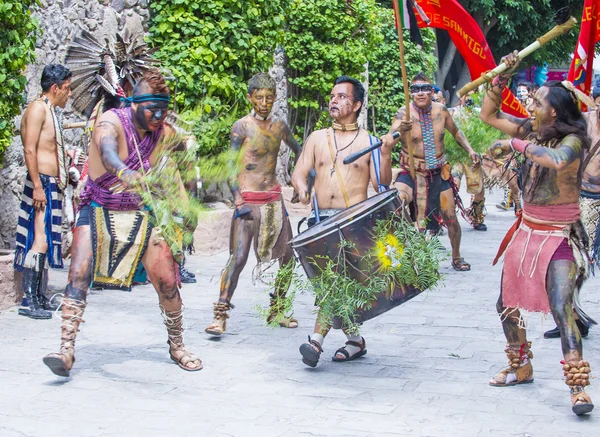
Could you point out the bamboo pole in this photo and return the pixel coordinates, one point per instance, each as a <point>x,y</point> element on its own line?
<point>409,145</point>
<point>78,125</point>
<point>555,32</point>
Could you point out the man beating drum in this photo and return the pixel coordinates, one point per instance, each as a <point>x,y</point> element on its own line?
<point>338,186</point>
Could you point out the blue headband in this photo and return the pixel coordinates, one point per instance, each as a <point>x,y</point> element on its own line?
<point>146,98</point>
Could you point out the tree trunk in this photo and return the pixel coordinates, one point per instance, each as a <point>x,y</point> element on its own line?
<point>281,111</point>
<point>463,79</point>
<point>445,65</point>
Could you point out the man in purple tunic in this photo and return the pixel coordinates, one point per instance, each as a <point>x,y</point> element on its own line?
<point>113,233</point>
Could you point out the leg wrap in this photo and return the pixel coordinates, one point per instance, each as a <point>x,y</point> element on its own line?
<point>173,320</point>
<point>72,316</point>
<point>219,324</point>
<point>184,358</point>
<point>476,212</point>
<point>577,374</point>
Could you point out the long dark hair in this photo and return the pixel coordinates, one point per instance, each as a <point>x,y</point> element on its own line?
<point>569,119</point>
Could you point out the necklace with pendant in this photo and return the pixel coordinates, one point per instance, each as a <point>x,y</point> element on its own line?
<point>337,151</point>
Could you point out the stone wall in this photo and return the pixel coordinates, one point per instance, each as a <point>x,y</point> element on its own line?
<point>60,21</point>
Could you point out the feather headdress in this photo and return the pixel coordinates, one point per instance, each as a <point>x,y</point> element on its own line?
<point>104,68</point>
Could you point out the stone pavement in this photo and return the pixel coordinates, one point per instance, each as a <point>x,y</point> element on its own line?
<point>425,374</point>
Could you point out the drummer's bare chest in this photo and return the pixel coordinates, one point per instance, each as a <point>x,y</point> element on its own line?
<point>327,153</point>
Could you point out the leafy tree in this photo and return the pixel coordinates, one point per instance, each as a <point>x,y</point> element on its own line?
<point>213,47</point>
<point>17,39</point>
<point>325,39</point>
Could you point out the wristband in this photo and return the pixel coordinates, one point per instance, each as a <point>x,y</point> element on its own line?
<point>500,81</point>
<point>519,145</point>
<point>120,172</point>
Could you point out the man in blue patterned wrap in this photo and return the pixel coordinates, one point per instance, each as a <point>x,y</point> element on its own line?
<point>38,239</point>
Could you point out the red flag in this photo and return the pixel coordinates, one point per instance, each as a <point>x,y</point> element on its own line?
<point>469,41</point>
<point>581,70</point>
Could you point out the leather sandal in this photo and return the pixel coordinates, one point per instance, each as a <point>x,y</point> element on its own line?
<point>311,352</point>
<point>460,265</point>
<point>185,358</point>
<point>582,403</point>
<point>347,356</point>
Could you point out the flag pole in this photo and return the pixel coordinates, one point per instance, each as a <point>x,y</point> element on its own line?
<point>409,145</point>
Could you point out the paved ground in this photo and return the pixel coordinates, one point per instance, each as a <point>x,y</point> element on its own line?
<point>425,374</point>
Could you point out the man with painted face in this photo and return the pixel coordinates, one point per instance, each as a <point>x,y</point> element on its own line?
<point>524,93</point>
<point>545,261</point>
<point>112,232</point>
<point>432,195</point>
<point>39,232</point>
<point>260,213</point>
<point>339,186</point>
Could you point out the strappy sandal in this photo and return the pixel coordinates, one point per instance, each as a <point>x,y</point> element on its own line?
<point>460,265</point>
<point>311,352</point>
<point>582,403</point>
<point>347,356</point>
<point>186,359</point>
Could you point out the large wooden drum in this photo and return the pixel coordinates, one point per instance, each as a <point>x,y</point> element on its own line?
<point>355,224</point>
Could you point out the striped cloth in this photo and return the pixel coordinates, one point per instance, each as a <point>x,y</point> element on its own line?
<point>52,222</point>
<point>428,136</point>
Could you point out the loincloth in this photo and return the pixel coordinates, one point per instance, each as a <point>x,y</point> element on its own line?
<point>119,240</point>
<point>529,248</point>
<point>427,188</point>
<point>274,230</point>
<point>590,216</point>
<point>52,222</point>
<point>473,174</point>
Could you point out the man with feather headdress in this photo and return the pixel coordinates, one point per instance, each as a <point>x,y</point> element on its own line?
<point>113,232</point>
<point>103,75</point>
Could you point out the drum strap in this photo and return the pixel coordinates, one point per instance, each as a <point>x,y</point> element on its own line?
<point>337,172</point>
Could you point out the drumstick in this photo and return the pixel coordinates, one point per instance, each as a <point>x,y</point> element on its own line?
<point>354,156</point>
<point>555,32</point>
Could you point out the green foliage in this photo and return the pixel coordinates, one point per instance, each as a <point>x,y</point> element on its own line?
<point>214,47</point>
<point>281,307</point>
<point>17,39</point>
<point>514,24</point>
<point>416,260</point>
<point>325,39</point>
<point>401,255</point>
<point>480,135</point>
<point>386,90</point>
<point>174,214</point>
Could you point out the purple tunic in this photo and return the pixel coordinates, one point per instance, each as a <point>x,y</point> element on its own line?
<point>99,190</point>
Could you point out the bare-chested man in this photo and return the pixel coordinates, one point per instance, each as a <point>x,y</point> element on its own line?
<point>113,232</point>
<point>325,150</point>
<point>545,260</point>
<point>39,233</point>
<point>432,193</point>
<point>260,213</point>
